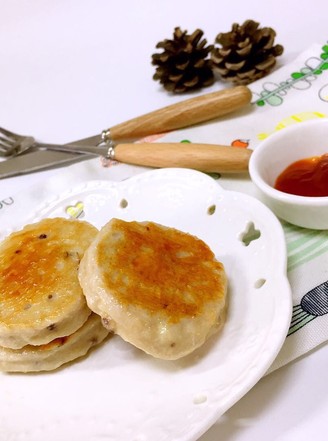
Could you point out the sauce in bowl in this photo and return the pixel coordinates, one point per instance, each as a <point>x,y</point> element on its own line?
<point>306,177</point>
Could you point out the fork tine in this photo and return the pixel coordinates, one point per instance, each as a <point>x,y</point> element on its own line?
<point>4,152</point>
<point>7,150</point>
<point>7,141</point>
<point>9,134</point>
<point>3,149</point>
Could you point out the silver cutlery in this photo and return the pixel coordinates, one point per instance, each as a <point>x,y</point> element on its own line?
<point>12,144</point>
<point>203,157</point>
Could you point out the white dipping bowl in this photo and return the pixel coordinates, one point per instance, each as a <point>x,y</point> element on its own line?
<point>278,151</point>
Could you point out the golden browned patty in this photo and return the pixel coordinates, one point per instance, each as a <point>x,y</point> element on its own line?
<point>55,353</point>
<point>40,295</point>
<point>158,288</point>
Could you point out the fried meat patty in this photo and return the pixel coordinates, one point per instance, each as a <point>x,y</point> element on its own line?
<point>40,295</point>
<point>55,353</point>
<point>157,287</point>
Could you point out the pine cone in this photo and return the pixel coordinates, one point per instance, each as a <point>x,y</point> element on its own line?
<point>247,53</point>
<point>182,66</point>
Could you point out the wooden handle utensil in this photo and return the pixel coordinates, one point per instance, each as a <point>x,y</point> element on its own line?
<point>183,114</point>
<point>202,157</point>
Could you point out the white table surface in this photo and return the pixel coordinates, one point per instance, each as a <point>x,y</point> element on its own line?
<point>69,69</point>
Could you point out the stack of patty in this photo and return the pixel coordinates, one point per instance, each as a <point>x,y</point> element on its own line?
<point>44,318</point>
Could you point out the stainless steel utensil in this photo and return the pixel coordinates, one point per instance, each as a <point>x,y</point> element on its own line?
<point>12,144</point>
<point>185,113</point>
<point>203,157</point>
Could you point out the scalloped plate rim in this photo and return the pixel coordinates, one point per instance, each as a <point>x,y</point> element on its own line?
<point>278,329</point>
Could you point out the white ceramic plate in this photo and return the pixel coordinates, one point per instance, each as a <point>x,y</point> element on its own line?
<point>119,393</point>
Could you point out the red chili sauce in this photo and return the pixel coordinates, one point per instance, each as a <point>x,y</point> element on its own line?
<point>306,177</point>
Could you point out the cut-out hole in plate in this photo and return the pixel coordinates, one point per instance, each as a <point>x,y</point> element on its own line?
<point>259,283</point>
<point>75,211</point>
<point>250,234</point>
<point>124,203</point>
<point>200,399</point>
<point>211,209</point>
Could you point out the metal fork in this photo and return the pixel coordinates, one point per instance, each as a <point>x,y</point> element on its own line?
<point>176,116</point>
<point>110,143</point>
<point>204,157</point>
<point>13,144</point>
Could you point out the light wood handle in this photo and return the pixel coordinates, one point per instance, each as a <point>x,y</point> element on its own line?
<point>203,157</point>
<point>183,114</point>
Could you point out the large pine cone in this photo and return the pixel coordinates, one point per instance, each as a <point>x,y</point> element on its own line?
<point>183,64</point>
<point>247,53</point>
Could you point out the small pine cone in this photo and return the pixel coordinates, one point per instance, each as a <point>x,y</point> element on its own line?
<point>247,53</point>
<point>183,65</point>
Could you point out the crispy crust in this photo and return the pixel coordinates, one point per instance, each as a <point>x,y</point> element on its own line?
<point>40,295</point>
<point>158,288</point>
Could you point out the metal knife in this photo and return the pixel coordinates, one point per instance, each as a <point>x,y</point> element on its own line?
<point>183,114</point>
